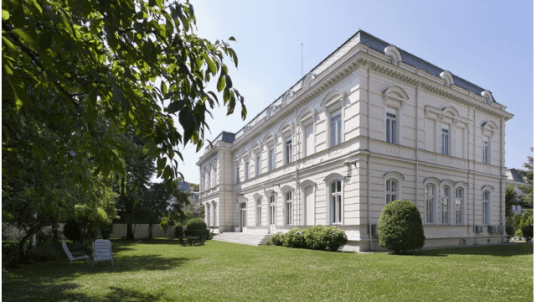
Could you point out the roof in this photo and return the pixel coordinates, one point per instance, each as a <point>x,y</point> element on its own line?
<point>514,175</point>
<point>374,43</point>
<point>183,186</point>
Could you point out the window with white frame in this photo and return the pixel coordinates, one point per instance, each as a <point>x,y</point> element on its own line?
<point>271,158</point>
<point>391,126</point>
<point>215,214</point>
<point>272,209</point>
<point>445,139</point>
<point>430,203</point>
<point>459,205</point>
<point>288,151</point>
<point>288,208</point>
<point>237,173</point>
<point>258,165</point>
<point>336,202</point>
<point>445,204</point>
<point>208,212</point>
<point>485,150</point>
<point>336,123</point>
<point>391,190</point>
<point>486,207</point>
<point>246,170</point>
<point>259,211</point>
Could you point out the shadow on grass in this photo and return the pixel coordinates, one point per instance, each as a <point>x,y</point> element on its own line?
<point>508,250</point>
<point>138,263</point>
<point>63,292</point>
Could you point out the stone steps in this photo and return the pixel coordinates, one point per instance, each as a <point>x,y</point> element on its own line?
<point>242,238</point>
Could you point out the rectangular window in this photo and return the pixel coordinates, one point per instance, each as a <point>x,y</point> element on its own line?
<point>485,208</point>
<point>271,159</point>
<point>445,140</point>
<point>288,208</point>
<point>445,206</point>
<point>430,193</point>
<point>309,142</point>
<point>272,209</point>
<point>390,126</point>
<point>336,128</point>
<point>288,152</point>
<point>246,170</point>
<point>459,204</point>
<point>237,173</point>
<point>485,150</point>
<point>258,164</point>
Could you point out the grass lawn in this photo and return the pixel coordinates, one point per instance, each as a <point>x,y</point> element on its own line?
<point>162,270</point>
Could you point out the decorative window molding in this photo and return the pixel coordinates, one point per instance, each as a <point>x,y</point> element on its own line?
<point>486,207</point>
<point>333,104</point>
<point>287,128</point>
<point>456,128</point>
<point>307,125</point>
<point>272,207</point>
<point>446,204</point>
<point>288,198</point>
<point>236,169</point>
<point>393,53</point>
<point>287,97</point>
<point>270,139</point>
<point>460,204</point>
<point>393,186</point>
<point>308,79</point>
<point>334,97</point>
<point>335,205</point>
<point>488,98</point>
<point>431,187</point>
<point>447,77</point>
<point>394,99</point>
<point>488,131</point>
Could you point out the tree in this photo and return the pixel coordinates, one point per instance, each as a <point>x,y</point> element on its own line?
<point>400,227</point>
<point>155,204</point>
<point>527,200</point>
<point>510,199</point>
<point>76,75</point>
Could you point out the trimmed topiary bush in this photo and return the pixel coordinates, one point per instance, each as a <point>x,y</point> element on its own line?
<point>195,224</point>
<point>179,231</point>
<point>400,227</point>
<point>510,231</point>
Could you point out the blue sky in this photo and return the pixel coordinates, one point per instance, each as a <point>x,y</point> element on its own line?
<point>489,43</point>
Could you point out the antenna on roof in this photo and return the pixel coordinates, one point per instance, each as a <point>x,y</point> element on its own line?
<point>302,59</point>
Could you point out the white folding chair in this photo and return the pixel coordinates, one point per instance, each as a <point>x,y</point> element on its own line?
<point>70,255</point>
<point>102,250</point>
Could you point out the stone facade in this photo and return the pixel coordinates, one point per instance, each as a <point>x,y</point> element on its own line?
<point>368,125</point>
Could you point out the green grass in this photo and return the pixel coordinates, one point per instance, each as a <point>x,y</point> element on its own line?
<point>163,270</point>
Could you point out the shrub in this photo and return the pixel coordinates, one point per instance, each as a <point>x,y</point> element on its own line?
<point>10,253</point>
<point>72,230</point>
<point>205,232</point>
<point>277,239</point>
<point>519,234</point>
<point>196,224</point>
<point>322,237</point>
<point>294,238</point>
<point>400,227</point>
<point>528,231</point>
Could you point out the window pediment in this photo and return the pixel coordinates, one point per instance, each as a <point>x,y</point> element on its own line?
<point>270,138</point>
<point>306,114</point>
<point>488,128</point>
<point>332,98</point>
<point>256,147</point>
<point>395,95</point>
<point>286,128</point>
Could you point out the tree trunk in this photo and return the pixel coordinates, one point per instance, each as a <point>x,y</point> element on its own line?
<point>150,231</point>
<point>130,233</point>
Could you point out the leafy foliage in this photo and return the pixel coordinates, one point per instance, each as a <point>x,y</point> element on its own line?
<point>196,224</point>
<point>71,230</point>
<point>400,227</point>
<point>527,200</point>
<point>528,232</point>
<point>317,237</point>
<point>510,199</point>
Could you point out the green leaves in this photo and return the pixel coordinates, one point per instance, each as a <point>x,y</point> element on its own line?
<point>5,14</point>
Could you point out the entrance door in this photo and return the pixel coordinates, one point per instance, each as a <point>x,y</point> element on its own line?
<point>309,206</point>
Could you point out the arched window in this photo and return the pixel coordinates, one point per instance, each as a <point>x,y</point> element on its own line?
<point>336,202</point>
<point>391,190</point>
<point>430,202</point>
<point>486,207</point>
<point>259,211</point>
<point>445,205</point>
<point>459,205</point>
<point>272,209</point>
<point>288,208</point>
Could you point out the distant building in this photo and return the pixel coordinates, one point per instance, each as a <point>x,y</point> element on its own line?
<point>368,125</point>
<point>514,176</point>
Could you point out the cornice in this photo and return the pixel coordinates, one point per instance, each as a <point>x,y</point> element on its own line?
<point>419,79</point>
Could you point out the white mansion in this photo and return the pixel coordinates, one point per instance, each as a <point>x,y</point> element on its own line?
<point>370,124</point>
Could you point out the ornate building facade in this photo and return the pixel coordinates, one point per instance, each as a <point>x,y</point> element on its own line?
<point>368,125</point>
